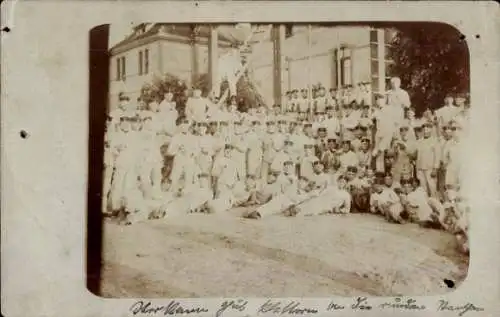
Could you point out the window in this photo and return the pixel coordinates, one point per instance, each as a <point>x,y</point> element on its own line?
<point>288,30</point>
<point>118,69</point>
<point>374,67</point>
<point>373,36</point>
<point>146,61</point>
<point>373,51</point>
<point>346,71</point>
<point>140,62</point>
<point>123,71</point>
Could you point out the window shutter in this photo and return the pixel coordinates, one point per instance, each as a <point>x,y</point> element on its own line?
<point>140,62</point>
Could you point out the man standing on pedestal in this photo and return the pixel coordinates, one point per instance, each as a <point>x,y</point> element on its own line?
<point>398,97</point>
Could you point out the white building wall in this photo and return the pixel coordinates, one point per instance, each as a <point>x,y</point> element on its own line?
<point>321,65</point>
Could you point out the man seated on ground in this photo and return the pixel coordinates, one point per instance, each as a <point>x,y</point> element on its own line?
<point>456,217</point>
<point>385,201</point>
<point>421,209</point>
<point>334,199</point>
<point>282,202</point>
<point>359,190</point>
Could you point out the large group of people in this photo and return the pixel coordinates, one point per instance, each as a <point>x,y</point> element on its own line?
<point>318,153</point>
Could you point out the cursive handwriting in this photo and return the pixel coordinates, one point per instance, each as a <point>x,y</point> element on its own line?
<point>291,308</point>
<point>399,304</point>
<point>238,305</point>
<point>361,303</point>
<point>173,308</point>
<point>334,306</point>
<point>444,305</point>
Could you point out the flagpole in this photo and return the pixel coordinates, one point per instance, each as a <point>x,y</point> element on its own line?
<point>309,44</point>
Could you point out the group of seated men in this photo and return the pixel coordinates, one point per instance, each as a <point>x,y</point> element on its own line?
<point>352,157</point>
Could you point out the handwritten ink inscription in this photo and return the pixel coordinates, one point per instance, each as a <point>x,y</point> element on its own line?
<point>444,305</point>
<point>173,308</point>
<point>292,308</point>
<point>334,306</point>
<point>409,304</point>
<point>239,305</point>
<point>361,303</point>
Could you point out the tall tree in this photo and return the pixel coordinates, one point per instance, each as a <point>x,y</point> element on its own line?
<point>432,59</point>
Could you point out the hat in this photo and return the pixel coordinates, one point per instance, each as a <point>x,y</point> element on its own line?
<point>330,139</point>
<point>379,95</point>
<point>427,123</point>
<point>307,124</point>
<point>276,106</point>
<point>303,90</point>
<point>321,129</point>
<point>228,146</point>
<point>346,141</point>
<point>365,140</point>
<point>351,168</point>
<point>288,162</point>
<point>295,90</point>
<point>389,153</point>
<point>308,145</point>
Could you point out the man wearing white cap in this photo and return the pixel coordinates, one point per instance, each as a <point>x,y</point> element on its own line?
<point>428,160</point>
<point>387,125</point>
<point>229,181</point>
<point>446,113</point>
<point>182,148</point>
<point>167,117</point>
<point>196,106</point>
<point>254,140</point>
<point>151,167</point>
<point>240,146</point>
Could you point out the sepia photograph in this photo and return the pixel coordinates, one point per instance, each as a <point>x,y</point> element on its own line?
<point>277,160</point>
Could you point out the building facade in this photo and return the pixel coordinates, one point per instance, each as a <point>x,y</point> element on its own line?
<point>331,56</point>
<point>154,49</point>
<point>280,58</point>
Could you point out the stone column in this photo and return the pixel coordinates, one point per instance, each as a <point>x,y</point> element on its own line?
<point>213,55</point>
<point>277,40</point>
<point>195,55</point>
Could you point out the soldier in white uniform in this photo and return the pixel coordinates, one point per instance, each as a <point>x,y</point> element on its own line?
<point>240,146</point>
<point>304,106</point>
<point>387,125</point>
<point>273,142</point>
<point>347,157</point>
<point>428,160</point>
<point>129,196</point>
<point>386,202</point>
<point>151,167</point>
<point>255,148</point>
<point>398,97</point>
<point>307,161</point>
<point>446,113</point>
<point>182,148</point>
<point>230,184</point>
<point>206,146</point>
<point>320,102</point>
<point>196,107</point>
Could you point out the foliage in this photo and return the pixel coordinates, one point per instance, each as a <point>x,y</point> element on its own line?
<point>248,95</point>
<point>432,60</point>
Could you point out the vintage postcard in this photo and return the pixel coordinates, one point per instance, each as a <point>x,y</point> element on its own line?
<point>250,159</point>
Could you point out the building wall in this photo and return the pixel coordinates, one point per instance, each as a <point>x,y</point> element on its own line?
<point>164,57</point>
<point>298,70</point>
<point>133,81</point>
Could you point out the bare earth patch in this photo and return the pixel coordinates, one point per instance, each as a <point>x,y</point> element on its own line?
<point>225,255</point>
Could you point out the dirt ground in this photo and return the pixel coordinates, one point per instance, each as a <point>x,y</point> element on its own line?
<point>225,255</point>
